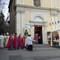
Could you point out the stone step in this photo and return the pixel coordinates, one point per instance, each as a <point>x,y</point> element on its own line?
<point>41,45</point>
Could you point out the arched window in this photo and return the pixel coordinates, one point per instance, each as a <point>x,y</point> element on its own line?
<point>37,3</point>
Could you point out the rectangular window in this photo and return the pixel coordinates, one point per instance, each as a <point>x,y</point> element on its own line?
<point>37,3</point>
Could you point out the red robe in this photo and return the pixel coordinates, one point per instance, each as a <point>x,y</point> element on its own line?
<point>23,41</point>
<point>19,41</point>
<point>10,42</point>
<point>15,42</point>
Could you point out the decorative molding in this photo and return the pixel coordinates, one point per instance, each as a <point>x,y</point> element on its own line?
<point>33,7</point>
<point>54,12</point>
<point>19,1</point>
<point>38,16</point>
<point>37,23</point>
<point>20,9</point>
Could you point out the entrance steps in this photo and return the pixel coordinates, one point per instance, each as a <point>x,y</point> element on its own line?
<point>41,46</point>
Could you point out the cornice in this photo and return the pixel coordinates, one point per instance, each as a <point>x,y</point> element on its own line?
<point>33,7</point>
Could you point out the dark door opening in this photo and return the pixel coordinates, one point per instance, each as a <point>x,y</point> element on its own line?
<point>38,29</point>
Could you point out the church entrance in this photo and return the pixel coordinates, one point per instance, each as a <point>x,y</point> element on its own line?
<point>38,30</point>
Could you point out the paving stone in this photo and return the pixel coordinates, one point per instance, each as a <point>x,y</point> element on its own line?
<point>16,57</point>
<point>42,52</point>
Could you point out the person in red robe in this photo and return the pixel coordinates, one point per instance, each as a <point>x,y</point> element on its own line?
<point>36,38</point>
<point>10,42</point>
<point>19,40</point>
<point>15,42</point>
<point>23,41</point>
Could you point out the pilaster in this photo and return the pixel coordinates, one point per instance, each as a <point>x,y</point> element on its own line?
<point>19,20</point>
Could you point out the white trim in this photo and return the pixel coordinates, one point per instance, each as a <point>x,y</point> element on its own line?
<point>32,3</point>
<point>32,31</point>
<point>53,3</point>
<point>23,1</point>
<point>44,35</point>
<point>22,24</point>
<point>19,1</point>
<point>18,17</point>
<point>42,3</point>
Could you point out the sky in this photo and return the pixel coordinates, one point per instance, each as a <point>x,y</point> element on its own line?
<point>4,7</point>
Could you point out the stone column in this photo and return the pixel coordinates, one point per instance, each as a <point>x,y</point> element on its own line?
<point>22,22</point>
<point>32,31</point>
<point>44,35</point>
<point>18,22</point>
<point>51,40</point>
<point>52,26</point>
<point>53,23</point>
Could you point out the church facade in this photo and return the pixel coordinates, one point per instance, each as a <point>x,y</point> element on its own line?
<point>37,16</point>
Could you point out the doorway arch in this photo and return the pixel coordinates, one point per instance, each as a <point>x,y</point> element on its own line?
<point>38,28</point>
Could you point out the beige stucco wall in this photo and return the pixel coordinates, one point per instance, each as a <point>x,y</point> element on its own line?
<point>49,19</point>
<point>27,16</point>
<point>44,3</point>
<point>24,2</point>
<point>26,19</point>
<point>58,4</point>
<point>28,2</point>
<point>59,20</point>
<point>58,16</point>
<point>47,3</point>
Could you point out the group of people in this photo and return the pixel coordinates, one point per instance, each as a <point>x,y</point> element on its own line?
<point>16,42</point>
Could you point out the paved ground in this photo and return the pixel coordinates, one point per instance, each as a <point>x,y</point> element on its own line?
<point>38,53</point>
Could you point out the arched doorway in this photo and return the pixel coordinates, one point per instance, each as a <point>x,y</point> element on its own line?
<point>38,26</point>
